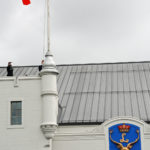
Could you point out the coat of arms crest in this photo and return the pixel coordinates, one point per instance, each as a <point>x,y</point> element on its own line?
<point>124,137</point>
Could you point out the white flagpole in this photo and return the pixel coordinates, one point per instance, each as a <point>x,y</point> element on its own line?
<point>48,25</point>
<point>48,57</point>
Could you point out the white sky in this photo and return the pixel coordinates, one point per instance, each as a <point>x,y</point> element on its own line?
<point>82,31</point>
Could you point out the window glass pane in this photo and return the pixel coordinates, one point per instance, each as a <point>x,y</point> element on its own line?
<point>18,105</point>
<point>16,113</point>
<point>13,105</point>
<point>18,120</point>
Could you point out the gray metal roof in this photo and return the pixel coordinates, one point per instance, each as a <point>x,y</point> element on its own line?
<point>93,93</point>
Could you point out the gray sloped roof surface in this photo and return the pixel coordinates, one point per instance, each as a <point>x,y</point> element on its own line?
<point>93,93</point>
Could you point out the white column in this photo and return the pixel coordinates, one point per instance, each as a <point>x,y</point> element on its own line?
<point>49,97</point>
<point>49,94</point>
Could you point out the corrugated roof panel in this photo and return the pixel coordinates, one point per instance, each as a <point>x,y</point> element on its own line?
<point>132,81</point>
<point>32,71</point>
<point>68,102</point>
<point>22,73</point>
<point>36,71</point>
<point>77,99</point>
<point>114,105</point>
<point>29,71</point>
<point>115,68</point>
<point>64,105</point>
<point>98,79</point>
<point>121,105</point>
<point>71,80</point>
<point>68,109</point>
<point>1,70</point>
<point>114,79</point>
<point>142,78</point>
<point>92,83</point>
<point>120,68</point>
<point>4,72</point>
<point>81,110</point>
<point>101,108</point>
<point>104,68</point>
<point>64,84</point>
<point>88,106</point>
<point>81,80</point>
<point>128,107</point>
<point>137,81</point>
<point>126,81</point>
<point>19,71</point>
<point>142,108</point>
<point>134,104</point>
<point>84,69</point>
<point>120,86</point>
<point>145,66</point>
<point>94,109</point>
<point>108,106</point>
<point>135,67</point>
<point>147,76</point>
<point>146,96</point>
<point>76,80</point>
<point>124,67</point>
<point>87,79</point>
<point>103,82</point>
<point>59,68</point>
<point>109,82</point>
<point>15,69</point>
<point>61,77</point>
<point>100,68</point>
<point>75,107</point>
<point>129,67</point>
<point>96,92</point>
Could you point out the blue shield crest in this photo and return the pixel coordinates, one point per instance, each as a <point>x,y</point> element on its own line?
<point>124,137</point>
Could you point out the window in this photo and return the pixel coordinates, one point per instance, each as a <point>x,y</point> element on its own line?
<point>16,113</point>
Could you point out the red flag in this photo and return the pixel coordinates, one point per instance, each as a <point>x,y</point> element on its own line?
<point>26,2</point>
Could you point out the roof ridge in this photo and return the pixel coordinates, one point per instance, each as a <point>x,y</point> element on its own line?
<point>104,63</point>
<point>76,64</point>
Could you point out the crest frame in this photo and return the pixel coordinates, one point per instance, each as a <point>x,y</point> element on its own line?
<point>120,120</point>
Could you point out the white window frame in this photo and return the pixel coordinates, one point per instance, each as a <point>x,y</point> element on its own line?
<point>9,113</point>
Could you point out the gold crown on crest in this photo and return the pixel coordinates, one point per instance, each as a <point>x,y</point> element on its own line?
<point>124,128</point>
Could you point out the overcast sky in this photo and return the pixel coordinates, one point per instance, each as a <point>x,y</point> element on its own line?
<point>82,31</point>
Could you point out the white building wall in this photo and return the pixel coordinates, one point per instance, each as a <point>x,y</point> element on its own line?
<point>79,138</point>
<point>95,137</point>
<point>29,136</point>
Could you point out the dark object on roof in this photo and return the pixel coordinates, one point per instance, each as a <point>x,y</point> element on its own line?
<point>9,69</point>
<point>40,67</point>
<point>93,93</point>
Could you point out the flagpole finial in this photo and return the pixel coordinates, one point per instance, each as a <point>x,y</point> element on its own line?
<point>49,61</point>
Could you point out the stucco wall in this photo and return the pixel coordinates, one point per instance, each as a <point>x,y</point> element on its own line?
<point>96,137</point>
<point>29,136</point>
<point>79,137</point>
